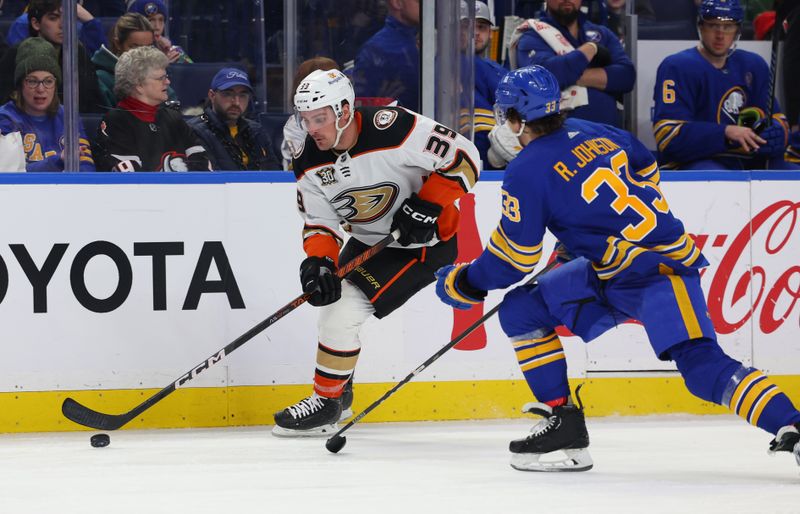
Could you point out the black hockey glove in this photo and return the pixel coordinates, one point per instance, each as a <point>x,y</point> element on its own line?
<point>416,220</point>
<point>602,58</point>
<point>318,277</point>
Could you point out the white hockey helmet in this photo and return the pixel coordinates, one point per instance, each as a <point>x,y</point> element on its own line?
<point>323,88</point>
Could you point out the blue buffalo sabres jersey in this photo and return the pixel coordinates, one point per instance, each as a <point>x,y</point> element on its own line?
<point>694,101</point>
<point>596,188</point>
<point>43,138</point>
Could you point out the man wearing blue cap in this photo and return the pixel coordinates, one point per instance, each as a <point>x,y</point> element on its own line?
<point>233,141</point>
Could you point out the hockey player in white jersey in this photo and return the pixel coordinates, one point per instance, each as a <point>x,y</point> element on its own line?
<point>367,171</point>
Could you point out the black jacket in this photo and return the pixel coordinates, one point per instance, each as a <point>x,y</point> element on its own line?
<point>89,98</point>
<point>126,143</point>
<point>226,152</point>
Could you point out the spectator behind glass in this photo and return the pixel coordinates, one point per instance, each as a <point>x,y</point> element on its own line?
<point>711,101</point>
<point>45,20</point>
<point>233,142</point>
<point>587,59</point>
<point>294,136</point>
<point>35,112</point>
<point>487,76</point>
<point>156,13</point>
<point>132,30</point>
<point>141,134</point>
<point>90,30</point>
<point>387,65</point>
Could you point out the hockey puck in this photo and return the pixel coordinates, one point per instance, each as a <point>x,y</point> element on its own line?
<point>100,440</point>
<point>335,443</point>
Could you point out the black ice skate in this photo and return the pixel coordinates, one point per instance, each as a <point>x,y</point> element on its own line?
<point>315,416</point>
<point>787,440</point>
<point>347,400</point>
<point>561,431</point>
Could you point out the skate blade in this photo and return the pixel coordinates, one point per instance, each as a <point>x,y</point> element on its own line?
<point>347,413</point>
<point>321,431</point>
<point>575,460</point>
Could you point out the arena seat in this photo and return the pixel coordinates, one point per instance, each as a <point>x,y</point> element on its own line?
<point>273,123</point>
<point>192,81</point>
<point>90,123</point>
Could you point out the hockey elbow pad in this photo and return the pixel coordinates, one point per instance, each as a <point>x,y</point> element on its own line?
<point>453,288</point>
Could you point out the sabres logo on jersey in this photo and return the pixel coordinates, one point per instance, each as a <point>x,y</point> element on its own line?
<point>366,204</point>
<point>730,104</point>
<point>593,36</point>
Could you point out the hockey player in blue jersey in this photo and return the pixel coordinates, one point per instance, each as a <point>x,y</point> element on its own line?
<point>596,188</point>
<point>712,101</point>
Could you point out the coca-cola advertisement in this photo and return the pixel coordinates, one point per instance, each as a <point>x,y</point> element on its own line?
<point>750,233</point>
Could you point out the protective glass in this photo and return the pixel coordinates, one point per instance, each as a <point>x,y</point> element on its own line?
<point>500,114</point>
<point>315,120</point>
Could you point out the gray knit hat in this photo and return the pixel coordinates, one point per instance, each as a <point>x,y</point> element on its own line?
<point>36,54</point>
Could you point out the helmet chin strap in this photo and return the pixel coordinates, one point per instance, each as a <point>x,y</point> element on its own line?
<point>521,128</point>
<point>340,131</point>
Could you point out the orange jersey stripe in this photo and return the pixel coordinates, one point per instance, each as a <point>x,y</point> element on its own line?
<point>393,279</point>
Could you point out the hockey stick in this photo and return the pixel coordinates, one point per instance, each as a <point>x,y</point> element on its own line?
<point>773,61</point>
<point>337,441</point>
<point>773,71</point>
<point>773,65</point>
<point>85,416</point>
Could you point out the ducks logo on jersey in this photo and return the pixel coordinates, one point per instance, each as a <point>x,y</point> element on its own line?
<point>366,204</point>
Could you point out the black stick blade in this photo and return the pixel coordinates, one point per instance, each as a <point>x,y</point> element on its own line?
<point>335,443</point>
<point>87,417</point>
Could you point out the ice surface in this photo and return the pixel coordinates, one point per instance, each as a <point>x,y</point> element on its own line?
<point>672,464</point>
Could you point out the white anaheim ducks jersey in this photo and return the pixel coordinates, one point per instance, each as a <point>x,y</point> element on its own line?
<point>398,153</point>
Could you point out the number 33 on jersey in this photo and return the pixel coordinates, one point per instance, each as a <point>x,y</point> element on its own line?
<point>605,183</point>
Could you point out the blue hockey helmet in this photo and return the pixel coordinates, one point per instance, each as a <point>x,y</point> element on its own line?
<point>727,10</point>
<point>532,91</point>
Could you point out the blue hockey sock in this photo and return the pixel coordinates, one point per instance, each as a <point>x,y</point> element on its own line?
<point>754,396</point>
<point>712,375</point>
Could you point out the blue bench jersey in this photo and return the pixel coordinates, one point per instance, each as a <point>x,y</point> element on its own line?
<point>694,101</point>
<point>596,188</point>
